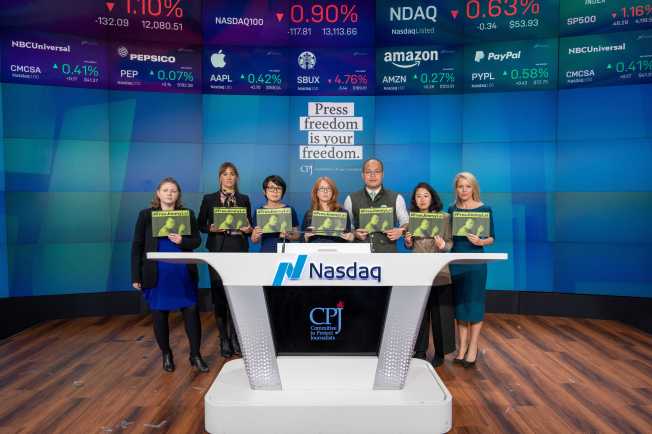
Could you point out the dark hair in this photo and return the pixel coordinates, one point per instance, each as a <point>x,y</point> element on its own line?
<point>276,180</point>
<point>369,160</point>
<point>156,202</point>
<point>222,169</point>
<point>435,201</point>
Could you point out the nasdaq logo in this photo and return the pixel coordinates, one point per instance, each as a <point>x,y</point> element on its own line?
<point>410,58</point>
<point>409,13</point>
<point>321,271</point>
<point>287,269</point>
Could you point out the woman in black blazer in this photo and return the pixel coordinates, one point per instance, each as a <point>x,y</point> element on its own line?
<point>220,240</point>
<point>168,286</point>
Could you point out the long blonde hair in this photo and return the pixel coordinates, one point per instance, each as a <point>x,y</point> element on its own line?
<point>471,179</point>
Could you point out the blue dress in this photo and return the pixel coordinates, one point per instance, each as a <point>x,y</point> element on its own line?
<point>174,288</point>
<point>469,280</point>
<point>268,242</point>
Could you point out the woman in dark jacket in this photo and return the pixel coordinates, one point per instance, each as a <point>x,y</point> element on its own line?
<point>168,286</point>
<point>220,240</point>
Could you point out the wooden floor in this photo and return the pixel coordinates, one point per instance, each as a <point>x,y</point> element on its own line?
<point>534,375</point>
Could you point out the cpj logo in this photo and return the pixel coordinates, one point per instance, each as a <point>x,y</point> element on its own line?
<point>321,271</point>
<point>326,322</point>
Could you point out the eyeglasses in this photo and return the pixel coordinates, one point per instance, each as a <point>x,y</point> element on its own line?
<point>324,189</point>
<point>373,172</point>
<point>274,189</point>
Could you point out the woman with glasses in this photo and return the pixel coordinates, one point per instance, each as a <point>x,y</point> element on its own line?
<point>274,188</point>
<point>324,198</point>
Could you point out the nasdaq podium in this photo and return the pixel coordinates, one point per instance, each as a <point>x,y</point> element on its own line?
<point>389,392</point>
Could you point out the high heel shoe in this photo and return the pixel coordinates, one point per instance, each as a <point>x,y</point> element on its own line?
<point>168,362</point>
<point>471,363</point>
<point>199,363</point>
<point>460,361</point>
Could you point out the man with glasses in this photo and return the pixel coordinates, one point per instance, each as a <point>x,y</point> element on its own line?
<point>374,195</point>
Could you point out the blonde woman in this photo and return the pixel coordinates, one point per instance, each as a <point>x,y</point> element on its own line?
<point>469,281</point>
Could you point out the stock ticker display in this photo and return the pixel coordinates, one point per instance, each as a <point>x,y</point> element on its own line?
<point>310,47</point>
<point>547,102</point>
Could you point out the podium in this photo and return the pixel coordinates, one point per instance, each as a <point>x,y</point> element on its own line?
<point>387,393</point>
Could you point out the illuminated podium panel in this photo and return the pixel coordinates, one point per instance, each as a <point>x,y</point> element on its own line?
<point>387,393</point>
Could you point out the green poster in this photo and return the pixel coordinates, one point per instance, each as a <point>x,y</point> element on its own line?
<point>165,223</point>
<point>426,224</point>
<point>470,222</point>
<point>376,219</point>
<point>328,222</point>
<point>274,220</point>
<point>230,218</point>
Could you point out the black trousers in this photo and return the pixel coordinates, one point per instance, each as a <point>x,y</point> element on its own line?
<point>192,325</point>
<point>220,303</point>
<point>440,312</point>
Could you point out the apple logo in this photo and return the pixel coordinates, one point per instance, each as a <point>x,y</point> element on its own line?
<point>217,59</point>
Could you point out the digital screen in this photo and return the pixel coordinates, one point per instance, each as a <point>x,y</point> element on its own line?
<point>54,60</point>
<point>508,19</point>
<point>236,70</point>
<point>419,70</point>
<point>505,66</point>
<point>578,17</point>
<point>332,72</point>
<point>155,68</point>
<point>417,22</point>
<point>147,20</point>
<point>246,23</point>
<point>152,20</point>
<point>608,59</point>
<point>314,23</point>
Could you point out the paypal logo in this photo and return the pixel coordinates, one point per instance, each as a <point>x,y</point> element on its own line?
<point>322,271</point>
<point>292,272</point>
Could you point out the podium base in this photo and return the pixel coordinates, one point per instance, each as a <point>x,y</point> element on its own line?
<point>328,395</point>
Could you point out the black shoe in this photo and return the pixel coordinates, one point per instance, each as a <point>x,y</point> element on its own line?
<point>168,363</point>
<point>235,345</point>
<point>225,347</point>
<point>458,361</point>
<point>420,355</point>
<point>199,363</point>
<point>437,361</point>
<point>469,363</point>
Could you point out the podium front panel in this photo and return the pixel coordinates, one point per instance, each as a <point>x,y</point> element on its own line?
<point>322,320</point>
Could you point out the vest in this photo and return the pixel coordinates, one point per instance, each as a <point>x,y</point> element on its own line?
<point>384,198</point>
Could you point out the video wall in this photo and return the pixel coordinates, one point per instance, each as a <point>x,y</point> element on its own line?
<point>547,102</point>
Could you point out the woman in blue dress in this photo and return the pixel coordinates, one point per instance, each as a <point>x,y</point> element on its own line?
<point>274,189</point>
<point>469,281</point>
<point>167,286</point>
